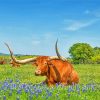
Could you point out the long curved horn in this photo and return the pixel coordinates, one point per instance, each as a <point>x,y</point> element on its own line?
<point>19,61</point>
<point>57,52</point>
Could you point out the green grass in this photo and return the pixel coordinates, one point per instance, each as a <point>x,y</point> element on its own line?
<point>89,74</point>
<point>25,73</point>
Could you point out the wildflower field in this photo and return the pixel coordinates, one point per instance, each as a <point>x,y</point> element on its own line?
<point>21,84</point>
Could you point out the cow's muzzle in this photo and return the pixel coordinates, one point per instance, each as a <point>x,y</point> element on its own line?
<point>38,72</point>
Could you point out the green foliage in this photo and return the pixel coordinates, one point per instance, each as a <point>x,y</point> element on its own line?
<point>96,51</point>
<point>81,53</point>
<point>96,57</point>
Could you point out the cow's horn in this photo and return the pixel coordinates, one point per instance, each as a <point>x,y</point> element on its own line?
<point>19,61</point>
<point>57,52</point>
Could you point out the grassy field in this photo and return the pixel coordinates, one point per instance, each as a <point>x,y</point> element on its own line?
<point>25,73</point>
<point>88,88</point>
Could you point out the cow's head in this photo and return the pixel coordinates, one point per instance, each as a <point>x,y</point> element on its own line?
<point>40,62</point>
<point>42,66</point>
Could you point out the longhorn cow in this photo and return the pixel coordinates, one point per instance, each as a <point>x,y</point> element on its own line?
<point>14,64</point>
<point>56,69</point>
<point>2,62</point>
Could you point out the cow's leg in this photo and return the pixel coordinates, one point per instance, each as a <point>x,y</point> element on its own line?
<point>74,78</point>
<point>50,82</point>
<point>64,82</point>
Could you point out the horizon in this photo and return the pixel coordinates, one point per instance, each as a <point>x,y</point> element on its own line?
<point>33,26</point>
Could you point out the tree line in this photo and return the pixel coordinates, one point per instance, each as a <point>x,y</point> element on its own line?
<point>83,53</point>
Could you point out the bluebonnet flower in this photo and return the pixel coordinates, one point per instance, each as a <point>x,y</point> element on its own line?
<point>23,86</point>
<point>14,85</point>
<point>92,87</point>
<point>4,97</point>
<point>39,91</point>
<point>2,87</point>
<point>18,81</point>
<point>18,91</point>
<point>78,88</point>
<point>31,92</point>
<point>6,84</point>
<point>57,84</point>
<point>11,81</point>
<point>69,89</point>
<point>49,94</point>
<point>84,89</point>
<point>26,90</point>
<point>87,86</point>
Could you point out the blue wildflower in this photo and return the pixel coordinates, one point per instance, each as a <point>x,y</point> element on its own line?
<point>14,85</point>
<point>17,81</point>
<point>18,91</point>
<point>11,81</point>
<point>4,97</point>
<point>26,90</point>
<point>23,86</point>
<point>93,87</point>
<point>69,89</point>
<point>6,83</point>
<point>50,94</point>
<point>84,88</point>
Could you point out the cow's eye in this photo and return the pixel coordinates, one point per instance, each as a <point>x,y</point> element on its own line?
<point>45,63</point>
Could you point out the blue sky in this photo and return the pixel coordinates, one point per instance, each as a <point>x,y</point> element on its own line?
<point>33,26</point>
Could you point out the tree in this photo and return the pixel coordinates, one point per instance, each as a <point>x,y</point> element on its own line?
<point>81,53</point>
<point>96,57</point>
<point>97,51</point>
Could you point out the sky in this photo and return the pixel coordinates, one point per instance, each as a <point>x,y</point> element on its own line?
<point>33,26</point>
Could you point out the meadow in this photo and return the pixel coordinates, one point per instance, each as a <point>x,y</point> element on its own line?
<point>21,84</point>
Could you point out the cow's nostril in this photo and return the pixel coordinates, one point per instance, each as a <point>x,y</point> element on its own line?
<point>37,72</point>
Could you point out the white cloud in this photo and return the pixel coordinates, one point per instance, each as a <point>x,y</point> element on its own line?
<point>77,25</point>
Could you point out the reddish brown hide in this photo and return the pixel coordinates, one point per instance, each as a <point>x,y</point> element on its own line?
<point>14,64</point>
<point>2,62</point>
<point>56,71</point>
